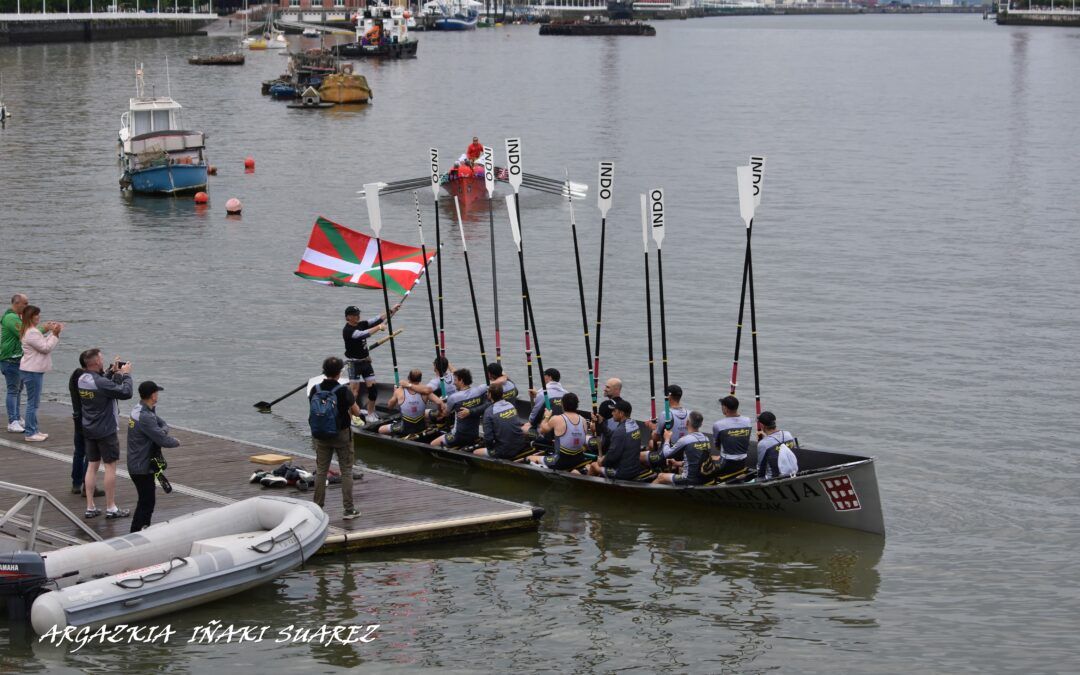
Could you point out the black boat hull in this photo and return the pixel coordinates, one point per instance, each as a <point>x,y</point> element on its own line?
<point>395,50</point>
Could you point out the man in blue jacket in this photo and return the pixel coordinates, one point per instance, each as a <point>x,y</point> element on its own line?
<point>147,435</point>
<point>99,391</point>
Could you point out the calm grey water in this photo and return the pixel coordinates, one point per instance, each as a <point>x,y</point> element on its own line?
<point>916,271</point>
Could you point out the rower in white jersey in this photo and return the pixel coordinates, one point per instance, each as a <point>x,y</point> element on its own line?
<point>439,387</point>
<point>570,439</point>
<point>731,440</point>
<point>776,450</point>
<point>412,404</point>
<point>675,423</point>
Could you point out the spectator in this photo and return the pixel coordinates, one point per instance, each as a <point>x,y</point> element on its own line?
<point>78,459</point>
<point>10,355</point>
<point>37,346</point>
<point>331,427</point>
<point>147,435</point>
<point>99,391</point>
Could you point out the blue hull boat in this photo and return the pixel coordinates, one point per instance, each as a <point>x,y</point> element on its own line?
<point>169,179</point>
<point>458,22</point>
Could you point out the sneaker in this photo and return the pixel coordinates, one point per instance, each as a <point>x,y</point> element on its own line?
<point>93,513</point>
<point>36,438</point>
<point>351,514</point>
<point>117,513</point>
<point>78,490</point>
<point>16,427</point>
<point>274,481</point>
<point>257,476</point>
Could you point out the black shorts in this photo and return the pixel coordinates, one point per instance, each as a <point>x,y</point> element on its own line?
<point>105,450</point>
<point>360,369</point>
<point>683,482</point>
<point>656,461</point>
<point>405,428</point>
<point>561,462</point>
<point>460,440</point>
<point>730,468</point>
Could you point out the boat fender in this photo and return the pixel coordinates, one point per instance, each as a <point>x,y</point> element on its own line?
<point>347,69</point>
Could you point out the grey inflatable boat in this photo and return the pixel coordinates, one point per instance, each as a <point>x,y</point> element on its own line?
<point>169,566</point>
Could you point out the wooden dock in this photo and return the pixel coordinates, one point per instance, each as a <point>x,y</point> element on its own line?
<point>208,470</point>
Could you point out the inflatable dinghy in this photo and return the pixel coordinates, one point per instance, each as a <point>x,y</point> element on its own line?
<point>169,566</point>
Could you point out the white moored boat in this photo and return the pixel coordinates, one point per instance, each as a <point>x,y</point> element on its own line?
<point>169,566</point>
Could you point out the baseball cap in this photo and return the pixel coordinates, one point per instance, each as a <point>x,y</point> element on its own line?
<point>352,310</point>
<point>146,389</point>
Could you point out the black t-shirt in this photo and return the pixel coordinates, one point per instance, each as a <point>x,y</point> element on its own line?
<point>345,400</point>
<point>73,391</point>
<point>356,348</point>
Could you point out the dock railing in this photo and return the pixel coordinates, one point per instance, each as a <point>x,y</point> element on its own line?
<point>38,499</point>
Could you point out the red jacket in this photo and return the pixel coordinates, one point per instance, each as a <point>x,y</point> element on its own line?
<point>474,151</point>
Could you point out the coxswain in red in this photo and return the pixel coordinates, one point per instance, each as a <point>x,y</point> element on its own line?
<point>475,150</point>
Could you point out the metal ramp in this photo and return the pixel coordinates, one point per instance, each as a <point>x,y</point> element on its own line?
<point>19,533</point>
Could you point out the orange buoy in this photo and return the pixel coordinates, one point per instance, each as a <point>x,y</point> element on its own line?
<point>249,163</point>
<point>212,170</point>
<point>233,206</point>
<point>201,198</point>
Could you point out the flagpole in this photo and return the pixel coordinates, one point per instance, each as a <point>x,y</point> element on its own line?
<point>515,177</point>
<point>430,301</point>
<point>648,308</point>
<point>436,183</point>
<point>515,228</point>
<point>581,297</point>
<point>374,213</point>
<point>656,197</point>
<point>489,183</point>
<point>472,291</point>
<point>605,184</point>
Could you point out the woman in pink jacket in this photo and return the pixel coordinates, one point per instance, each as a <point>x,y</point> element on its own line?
<point>37,344</point>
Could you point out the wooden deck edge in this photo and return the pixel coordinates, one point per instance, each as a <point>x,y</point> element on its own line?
<point>473,526</point>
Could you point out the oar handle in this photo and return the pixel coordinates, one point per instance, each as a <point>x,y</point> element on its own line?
<point>386,339</point>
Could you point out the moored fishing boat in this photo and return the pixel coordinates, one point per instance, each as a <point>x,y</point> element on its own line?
<point>832,488</point>
<point>345,87</point>
<point>382,33</point>
<point>180,563</point>
<point>230,59</point>
<point>158,156</point>
<point>454,14</point>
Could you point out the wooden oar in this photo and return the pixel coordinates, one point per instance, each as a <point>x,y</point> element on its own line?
<point>265,407</point>
<point>746,210</point>
<point>423,251</point>
<point>604,188</point>
<point>581,297</point>
<point>648,307</point>
<point>472,290</point>
<point>375,214</point>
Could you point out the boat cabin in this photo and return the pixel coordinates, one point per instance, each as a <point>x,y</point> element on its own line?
<point>148,115</point>
<point>383,26</point>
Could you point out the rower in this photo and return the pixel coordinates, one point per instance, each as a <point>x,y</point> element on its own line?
<point>466,405</point>
<point>686,454</point>
<point>602,419</point>
<point>497,376</point>
<point>570,438</point>
<point>413,407</point>
<point>620,461</point>
<point>503,437</point>
<point>675,423</point>
<point>357,356</point>
<point>475,149</point>
<point>553,400</point>
<point>775,456</point>
<point>731,439</point>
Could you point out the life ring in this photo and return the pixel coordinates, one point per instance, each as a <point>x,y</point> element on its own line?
<point>347,69</point>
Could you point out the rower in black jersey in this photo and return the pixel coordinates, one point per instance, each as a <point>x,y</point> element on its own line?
<point>356,334</point>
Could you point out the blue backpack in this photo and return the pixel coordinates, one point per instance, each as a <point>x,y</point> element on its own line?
<point>323,417</point>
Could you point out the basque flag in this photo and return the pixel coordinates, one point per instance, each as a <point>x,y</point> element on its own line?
<point>338,256</point>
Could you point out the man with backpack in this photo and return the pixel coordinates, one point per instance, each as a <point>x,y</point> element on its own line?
<point>331,404</point>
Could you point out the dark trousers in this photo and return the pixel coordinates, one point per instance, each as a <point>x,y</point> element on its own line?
<point>144,509</point>
<point>78,460</point>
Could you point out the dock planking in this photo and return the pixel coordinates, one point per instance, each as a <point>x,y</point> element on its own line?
<point>208,470</point>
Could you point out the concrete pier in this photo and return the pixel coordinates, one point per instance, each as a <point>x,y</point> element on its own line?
<point>86,27</point>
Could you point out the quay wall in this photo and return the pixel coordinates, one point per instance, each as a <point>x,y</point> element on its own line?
<point>86,30</point>
<point>1064,19</point>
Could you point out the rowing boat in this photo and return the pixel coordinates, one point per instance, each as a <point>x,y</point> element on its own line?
<point>831,488</point>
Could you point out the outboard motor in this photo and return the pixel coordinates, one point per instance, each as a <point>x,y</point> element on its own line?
<point>22,580</point>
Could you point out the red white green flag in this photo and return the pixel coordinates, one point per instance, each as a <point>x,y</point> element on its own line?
<point>338,256</point>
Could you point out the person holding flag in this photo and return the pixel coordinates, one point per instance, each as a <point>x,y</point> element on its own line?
<point>357,355</point>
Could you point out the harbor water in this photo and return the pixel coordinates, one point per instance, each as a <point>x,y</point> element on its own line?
<point>915,269</point>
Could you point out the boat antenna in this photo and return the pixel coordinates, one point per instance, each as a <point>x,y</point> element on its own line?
<point>168,82</point>
<point>139,85</point>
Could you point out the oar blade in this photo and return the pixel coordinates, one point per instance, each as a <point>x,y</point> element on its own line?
<point>605,184</point>
<point>656,215</point>
<point>513,163</point>
<point>436,177</point>
<point>746,193</point>
<point>757,168</point>
<point>489,170</point>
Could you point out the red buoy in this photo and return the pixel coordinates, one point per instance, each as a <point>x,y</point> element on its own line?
<point>249,163</point>
<point>201,198</point>
<point>212,170</point>
<point>233,206</point>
